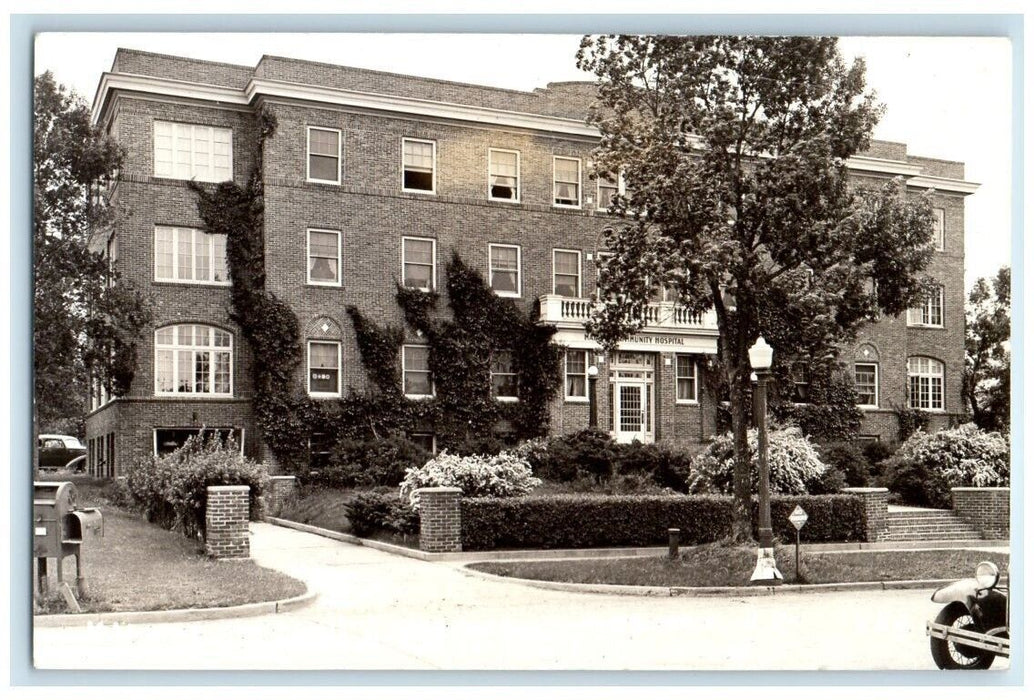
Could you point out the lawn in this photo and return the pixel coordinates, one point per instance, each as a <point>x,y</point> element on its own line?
<point>138,566</point>
<point>718,565</point>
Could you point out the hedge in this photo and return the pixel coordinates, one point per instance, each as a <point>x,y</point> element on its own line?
<point>572,521</point>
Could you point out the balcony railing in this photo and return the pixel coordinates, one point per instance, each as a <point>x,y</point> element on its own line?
<point>571,312</point>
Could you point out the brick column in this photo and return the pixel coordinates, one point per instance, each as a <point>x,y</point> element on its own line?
<point>226,522</point>
<point>440,519</point>
<point>279,493</point>
<point>986,509</point>
<point>875,500</point>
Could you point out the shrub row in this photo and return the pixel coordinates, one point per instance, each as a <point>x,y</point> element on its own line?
<point>370,512</point>
<point>580,521</point>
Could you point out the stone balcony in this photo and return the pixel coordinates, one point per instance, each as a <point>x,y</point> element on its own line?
<point>568,312</point>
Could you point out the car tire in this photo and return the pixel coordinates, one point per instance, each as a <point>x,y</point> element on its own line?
<point>951,656</point>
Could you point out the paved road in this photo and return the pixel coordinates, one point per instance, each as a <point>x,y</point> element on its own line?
<point>381,611</point>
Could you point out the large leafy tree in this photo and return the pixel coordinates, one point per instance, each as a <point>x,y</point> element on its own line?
<point>83,321</point>
<point>985,381</point>
<point>734,152</point>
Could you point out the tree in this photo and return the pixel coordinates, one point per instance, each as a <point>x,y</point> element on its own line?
<point>733,151</point>
<point>985,379</point>
<point>83,320</point>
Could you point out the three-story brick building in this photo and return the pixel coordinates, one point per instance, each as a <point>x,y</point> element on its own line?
<point>371,179</point>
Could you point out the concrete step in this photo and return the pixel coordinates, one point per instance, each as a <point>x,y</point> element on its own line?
<point>926,526</point>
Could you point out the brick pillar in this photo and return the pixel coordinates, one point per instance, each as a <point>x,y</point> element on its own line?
<point>875,500</point>
<point>226,522</point>
<point>440,519</point>
<point>986,509</point>
<point>279,492</point>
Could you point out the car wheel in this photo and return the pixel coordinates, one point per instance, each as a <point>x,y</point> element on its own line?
<point>951,655</point>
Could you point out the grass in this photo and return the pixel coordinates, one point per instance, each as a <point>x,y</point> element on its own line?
<point>321,507</point>
<point>719,565</point>
<point>139,566</point>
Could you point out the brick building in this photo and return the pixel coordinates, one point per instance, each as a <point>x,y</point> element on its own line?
<point>371,179</point>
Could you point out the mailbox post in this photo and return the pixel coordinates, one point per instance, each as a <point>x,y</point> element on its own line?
<point>58,526</point>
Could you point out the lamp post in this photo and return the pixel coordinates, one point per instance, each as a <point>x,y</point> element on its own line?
<point>593,371</point>
<point>766,572</point>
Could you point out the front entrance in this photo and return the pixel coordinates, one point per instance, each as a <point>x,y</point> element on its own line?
<point>631,380</point>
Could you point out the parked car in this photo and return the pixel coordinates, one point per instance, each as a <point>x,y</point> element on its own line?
<point>61,452</point>
<point>972,628</point>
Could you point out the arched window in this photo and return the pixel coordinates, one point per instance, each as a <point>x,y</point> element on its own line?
<point>193,359</point>
<point>925,383</point>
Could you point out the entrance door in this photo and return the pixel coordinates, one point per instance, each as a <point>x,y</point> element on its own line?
<point>632,419</point>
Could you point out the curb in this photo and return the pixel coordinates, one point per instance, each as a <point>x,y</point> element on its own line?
<point>271,607</point>
<point>358,541</point>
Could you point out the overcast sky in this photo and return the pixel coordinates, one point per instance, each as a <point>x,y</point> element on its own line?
<point>946,97</point>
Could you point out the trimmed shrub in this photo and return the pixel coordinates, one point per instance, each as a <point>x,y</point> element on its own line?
<point>847,457</point>
<point>916,483</point>
<point>794,465</point>
<point>370,512</point>
<point>588,452</point>
<point>172,490</point>
<point>505,474</point>
<point>590,520</point>
<point>366,463</point>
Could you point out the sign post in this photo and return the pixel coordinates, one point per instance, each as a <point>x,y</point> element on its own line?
<point>798,517</point>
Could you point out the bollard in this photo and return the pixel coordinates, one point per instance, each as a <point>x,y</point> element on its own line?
<point>673,542</point>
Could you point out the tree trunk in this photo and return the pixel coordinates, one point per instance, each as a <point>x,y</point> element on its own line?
<point>739,389</point>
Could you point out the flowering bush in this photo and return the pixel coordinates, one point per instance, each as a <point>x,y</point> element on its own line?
<point>794,464</point>
<point>172,489</point>
<point>504,474</point>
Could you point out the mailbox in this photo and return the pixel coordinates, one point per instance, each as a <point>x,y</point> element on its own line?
<point>58,528</point>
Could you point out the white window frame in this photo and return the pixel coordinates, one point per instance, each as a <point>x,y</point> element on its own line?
<point>517,189</point>
<point>520,281</point>
<point>578,195</point>
<point>198,431</point>
<point>876,383</point>
<point>308,369</point>
<point>208,176</point>
<point>309,154</point>
<point>433,436</point>
<point>620,191</point>
<point>430,376</point>
<point>308,258</point>
<point>922,316</point>
<point>434,166</point>
<point>695,377</point>
<point>175,348</point>
<point>492,375</point>
<point>434,262</point>
<point>577,398</point>
<point>578,255</point>
<point>938,230</point>
<point>929,375</point>
<point>196,235</point>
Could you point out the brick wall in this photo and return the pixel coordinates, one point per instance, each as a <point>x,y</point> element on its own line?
<point>987,509</point>
<point>280,492</point>
<point>440,519</point>
<point>875,510</point>
<point>226,522</point>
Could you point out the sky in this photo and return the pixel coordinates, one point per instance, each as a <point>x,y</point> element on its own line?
<point>945,97</point>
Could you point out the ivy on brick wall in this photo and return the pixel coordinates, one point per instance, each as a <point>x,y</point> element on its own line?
<point>460,349</point>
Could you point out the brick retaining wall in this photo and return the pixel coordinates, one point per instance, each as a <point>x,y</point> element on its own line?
<point>875,510</point>
<point>440,519</point>
<point>987,509</point>
<point>226,522</point>
<point>280,492</point>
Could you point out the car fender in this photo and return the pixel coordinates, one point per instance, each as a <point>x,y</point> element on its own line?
<point>962,591</point>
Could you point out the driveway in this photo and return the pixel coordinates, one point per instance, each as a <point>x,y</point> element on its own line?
<point>381,611</point>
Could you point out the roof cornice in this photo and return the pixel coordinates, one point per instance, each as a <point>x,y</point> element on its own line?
<point>943,184</point>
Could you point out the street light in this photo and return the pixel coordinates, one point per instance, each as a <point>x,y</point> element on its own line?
<point>766,572</point>
<point>593,372</point>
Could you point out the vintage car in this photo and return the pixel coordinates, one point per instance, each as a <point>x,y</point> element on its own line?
<point>61,453</point>
<point>972,628</point>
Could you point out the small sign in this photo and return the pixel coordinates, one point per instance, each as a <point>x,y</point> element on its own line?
<point>40,531</point>
<point>798,517</point>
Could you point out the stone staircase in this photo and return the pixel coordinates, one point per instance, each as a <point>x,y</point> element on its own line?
<point>926,525</point>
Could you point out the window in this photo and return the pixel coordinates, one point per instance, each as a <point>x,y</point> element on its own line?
<point>168,439</point>
<point>111,254</point>
<point>799,375</point>
<point>416,371</point>
<point>424,440</point>
<point>504,269</point>
<point>418,263</point>
<point>576,385</point>
<point>324,162</point>
<point>930,313</point>
<point>925,383</point>
<point>504,379</point>
<point>192,152</point>
<point>417,165</point>
<point>685,379</point>
<point>567,182</point>
<point>321,447</point>
<point>193,359</point>
<point>567,273</point>
<point>324,368</point>
<point>606,189</point>
<point>866,383</point>
<point>504,172</point>
<point>189,255</point>
<point>324,257</point>
<point>938,229</point>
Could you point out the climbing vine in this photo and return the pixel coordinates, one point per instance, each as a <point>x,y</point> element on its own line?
<point>460,349</point>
